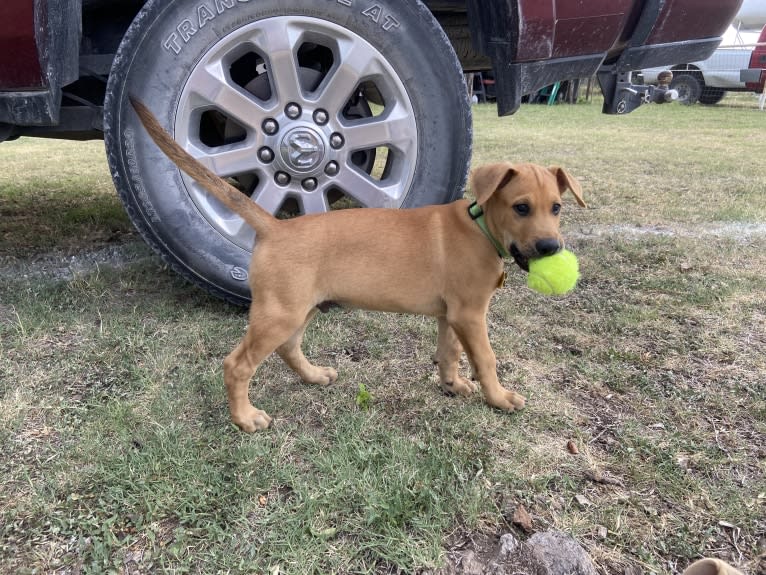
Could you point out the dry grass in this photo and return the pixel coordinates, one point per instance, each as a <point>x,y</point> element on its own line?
<point>118,454</point>
<point>57,196</point>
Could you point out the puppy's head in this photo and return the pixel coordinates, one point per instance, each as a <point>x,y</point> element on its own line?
<point>522,203</point>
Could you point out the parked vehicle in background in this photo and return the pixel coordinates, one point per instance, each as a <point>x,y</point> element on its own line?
<point>730,69</point>
<point>751,15</point>
<point>310,105</point>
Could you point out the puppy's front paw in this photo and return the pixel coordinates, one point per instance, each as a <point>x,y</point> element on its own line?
<point>252,420</point>
<point>459,386</point>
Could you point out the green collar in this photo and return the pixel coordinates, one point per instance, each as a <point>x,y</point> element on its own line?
<point>477,215</point>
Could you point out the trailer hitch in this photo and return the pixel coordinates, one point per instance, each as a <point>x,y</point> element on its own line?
<point>622,96</point>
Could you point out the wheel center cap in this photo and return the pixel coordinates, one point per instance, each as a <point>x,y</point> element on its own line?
<point>302,149</point>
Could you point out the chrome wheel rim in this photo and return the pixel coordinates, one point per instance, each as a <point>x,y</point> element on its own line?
<point>304,116</point>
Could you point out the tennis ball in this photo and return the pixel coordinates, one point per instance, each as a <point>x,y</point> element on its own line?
<point>554,275</point>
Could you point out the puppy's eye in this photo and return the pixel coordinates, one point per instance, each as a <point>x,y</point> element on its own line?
<point>556,209</point>
<point>521,209</point>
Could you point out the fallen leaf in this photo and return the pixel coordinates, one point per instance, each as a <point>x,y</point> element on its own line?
<point>599,477</point>
<point>262,500</point>
<point>572,447</point>
<point>522,519</point>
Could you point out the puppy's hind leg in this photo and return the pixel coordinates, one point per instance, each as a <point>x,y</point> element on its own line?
<point>292,354</point>
<point>448,351</point>
<point>266,332</point>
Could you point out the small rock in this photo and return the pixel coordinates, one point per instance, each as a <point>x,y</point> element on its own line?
<point>556,553</point>
<point>471,564</point>
<point>546,553</point>
<point>508,546</point>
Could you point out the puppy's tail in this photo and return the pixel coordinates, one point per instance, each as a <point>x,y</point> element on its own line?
<point>258,218</point>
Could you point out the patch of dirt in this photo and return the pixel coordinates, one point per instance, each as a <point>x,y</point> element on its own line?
<point>60,265</point>
<point>722,230</point>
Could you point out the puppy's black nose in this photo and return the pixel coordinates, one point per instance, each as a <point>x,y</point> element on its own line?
<point>547,247</point>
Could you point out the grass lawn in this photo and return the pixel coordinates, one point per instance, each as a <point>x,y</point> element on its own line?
<point>117,450</point>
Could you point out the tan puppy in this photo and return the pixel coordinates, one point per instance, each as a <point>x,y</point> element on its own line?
<point>433,260</point>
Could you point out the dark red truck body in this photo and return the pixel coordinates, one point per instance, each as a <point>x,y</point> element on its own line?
<point>46,45</point>
<point>19,62</point>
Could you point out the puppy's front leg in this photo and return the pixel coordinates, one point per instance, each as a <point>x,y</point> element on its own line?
<point>471,329</point>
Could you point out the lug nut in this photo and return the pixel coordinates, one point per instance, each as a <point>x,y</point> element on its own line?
<point>293,111</point>
<point>270,126</point>
<point>337,141</point>
<point>282,178</point>
<point>331,169</point>
<point>309,184</point>
<point>265,155</point>
<point>321,117</point>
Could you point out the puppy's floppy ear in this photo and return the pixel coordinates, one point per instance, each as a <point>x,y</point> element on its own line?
<point>486,180</point>
<point>567,182</point>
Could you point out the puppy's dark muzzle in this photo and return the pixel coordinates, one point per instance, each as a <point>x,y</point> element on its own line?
<point>547,247</point>
<point>542,248</point>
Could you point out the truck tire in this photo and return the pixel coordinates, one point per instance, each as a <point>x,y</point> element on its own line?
<point>304,106</point>
<point>711,96</point>
<point>688,86</point>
